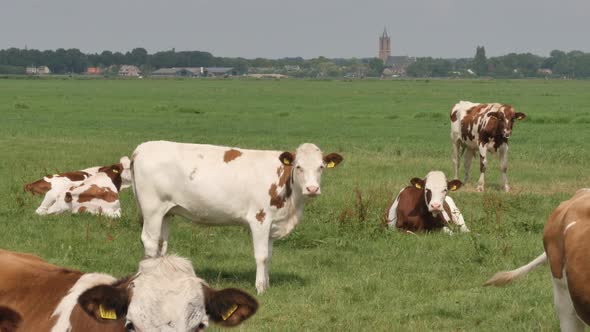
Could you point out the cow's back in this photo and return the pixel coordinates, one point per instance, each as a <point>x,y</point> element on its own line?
<point>210,183</point>
<point>33,288</point>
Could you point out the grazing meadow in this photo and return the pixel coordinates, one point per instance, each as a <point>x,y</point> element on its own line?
<point>340,269</point>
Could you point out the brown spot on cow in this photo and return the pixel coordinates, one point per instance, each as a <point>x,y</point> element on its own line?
<point>38,187</point>
<point>75,176</point>
<point>96,192</point>
<point>470,119</point>
<point>275,199</point>
<point>260,216</point>
<point>413,214</point>
<point>453,116</point>
<point>81,209</point>
<point>231,154</point>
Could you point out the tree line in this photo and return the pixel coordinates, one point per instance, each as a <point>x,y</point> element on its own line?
<point>574,64</point>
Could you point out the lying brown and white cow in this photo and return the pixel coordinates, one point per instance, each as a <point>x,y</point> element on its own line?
<point>99,194</point>
<point>55,185</point>
<point>10,320</point>
<point>164,295</point>
<point>567,246</point>
<point>218,185</point>
<point>482,128</point>
<point>425,205</point>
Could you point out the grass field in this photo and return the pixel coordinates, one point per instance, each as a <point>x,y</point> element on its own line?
<point>340,269</point>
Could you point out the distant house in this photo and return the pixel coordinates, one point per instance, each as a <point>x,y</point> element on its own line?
<point>292,68</point>
<point>93,71</point>
<point>129,71</point>
<point>399,64</point>
<point>41,70</point>
<point>218,71</point>
<point>266,76</point>
<point>545,71</point>
<point>179,72</point>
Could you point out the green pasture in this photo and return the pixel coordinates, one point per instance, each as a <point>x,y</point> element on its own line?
<point>340,270</point>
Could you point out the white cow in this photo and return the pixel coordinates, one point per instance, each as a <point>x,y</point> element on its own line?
<point>217,185</point>
<point>99,194</point>
<point>54,186</point>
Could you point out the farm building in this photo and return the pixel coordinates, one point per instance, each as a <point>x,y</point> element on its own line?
<point>179,72</point>
<point>41,70</point>
<point>129,71</point>
<point>93,71</point>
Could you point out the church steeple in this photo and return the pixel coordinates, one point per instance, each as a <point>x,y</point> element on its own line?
<point>384,46</point>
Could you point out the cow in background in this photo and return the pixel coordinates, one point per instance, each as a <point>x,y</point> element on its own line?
<point>218,185</point>
<point>425,206</point>
<point>164,295</point>
<point>566,239</point>
<point>55,185</point>
<point>482,127</point>
<point>99,194</point>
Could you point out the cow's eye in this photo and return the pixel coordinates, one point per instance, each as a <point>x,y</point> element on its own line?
<point>298,168</point>
<point>129,326</point>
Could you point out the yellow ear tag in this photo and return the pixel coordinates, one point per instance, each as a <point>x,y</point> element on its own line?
<point>286,161</point>
<point>453,188</point>
<point>417,185</point>
<point>230,312</point>
<point>331,164</point>
<point>107,314</point>
<point>115,171</point>
<point>520,117</point>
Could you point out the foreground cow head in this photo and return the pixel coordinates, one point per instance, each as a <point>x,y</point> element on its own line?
<point>435,187</point>
<point>503,120</point>
<point>9,320</point>
<point>165,295</point>
<point>308,164</point>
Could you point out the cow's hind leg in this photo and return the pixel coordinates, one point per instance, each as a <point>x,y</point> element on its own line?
<point>469,154</point>
<point>262,252</point>
<point>568,319</point>
<point>483,164</point>
<point>151,234</point>
<point>503,154</point>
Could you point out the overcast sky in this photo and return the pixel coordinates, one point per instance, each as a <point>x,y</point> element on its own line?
<point>306,28</point>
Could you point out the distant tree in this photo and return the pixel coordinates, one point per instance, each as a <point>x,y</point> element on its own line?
<point>480,62</point>
<point>375,67</point>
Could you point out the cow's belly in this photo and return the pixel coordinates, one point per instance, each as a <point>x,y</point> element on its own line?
<point>201,214</point>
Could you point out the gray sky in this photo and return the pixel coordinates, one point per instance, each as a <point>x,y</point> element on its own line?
<point>307,28</point>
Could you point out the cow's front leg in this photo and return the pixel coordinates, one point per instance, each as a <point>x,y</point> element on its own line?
<point>568,319</point>
<point>262,252</point>
<point>469,153</point>
<point>483,163</point>
<point>49,199</point>
<point>456,158</point>
<point>503,154</point>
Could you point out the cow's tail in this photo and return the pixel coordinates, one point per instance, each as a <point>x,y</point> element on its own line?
<point>505,277</point>
<point>133,185</point>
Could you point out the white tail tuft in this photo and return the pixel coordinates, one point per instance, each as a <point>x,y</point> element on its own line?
<point>505,277</point>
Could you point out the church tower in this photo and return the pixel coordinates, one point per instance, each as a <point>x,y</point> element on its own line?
<point>384,47</point>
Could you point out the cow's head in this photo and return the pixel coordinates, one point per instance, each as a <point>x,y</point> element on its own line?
<point>504,120</point>
<point>119,173</point>
<point>165,295</point>
<point>308,163</point>
<point>435,188</point>
<point>9,320</point>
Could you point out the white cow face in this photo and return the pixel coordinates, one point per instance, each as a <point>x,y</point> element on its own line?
<point>309,163</point>
<point>165,295</point>
<point>435,188</point>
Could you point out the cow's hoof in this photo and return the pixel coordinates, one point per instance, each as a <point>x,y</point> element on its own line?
<point>507,188</point>
<point>479,188</point>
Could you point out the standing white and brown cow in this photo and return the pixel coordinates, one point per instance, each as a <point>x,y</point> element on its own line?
<point>425,206</point>
<point>217,185</point>
<point>482,128</point>
<point>164,295</point>
<point>57,184</point>
<point>567,246</point>
<point>99,194</point>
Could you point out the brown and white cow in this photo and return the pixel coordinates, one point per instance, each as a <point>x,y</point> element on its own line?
<point>164,295</point>
<point>55,185</point>
<point>567,246</point>
<point>10,320</point>
<point>425,206</point>
<point>99,194</point>
<point>482,128</point>
<point>217,185</point>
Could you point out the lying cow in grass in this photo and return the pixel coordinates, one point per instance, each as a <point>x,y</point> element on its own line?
<point>55,185</point>
<point>217,185</point>
<point>164,295</point>
<point>567,244</point>
<point>425,206</point>
<point>99,194</point>
<point>482,128</point>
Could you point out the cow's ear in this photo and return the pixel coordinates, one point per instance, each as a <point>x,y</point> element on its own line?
<point>287,158</point>
<point>454,185</point>
<point>519,116</point>
<point>105,303</point>
<point>117,168</point>
<point>229,306</point>
<point>418,183</point>
<point>9,319</point>
<point>125,162</point>
<point>332,160</point>
<point>494,115</point>
<point>68,197</point>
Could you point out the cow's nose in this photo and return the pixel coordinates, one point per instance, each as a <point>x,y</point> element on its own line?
<point>435,206</point>
<point>312,189</point>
